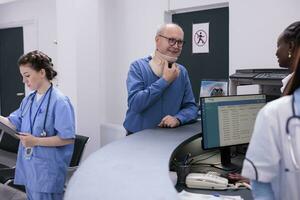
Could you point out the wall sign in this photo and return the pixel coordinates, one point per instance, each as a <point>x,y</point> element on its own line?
<point>201,38</point>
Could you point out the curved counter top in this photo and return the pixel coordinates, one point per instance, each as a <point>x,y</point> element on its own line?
<point>133,168</point>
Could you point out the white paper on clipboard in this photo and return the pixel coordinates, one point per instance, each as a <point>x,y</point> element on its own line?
<point>8,130</point>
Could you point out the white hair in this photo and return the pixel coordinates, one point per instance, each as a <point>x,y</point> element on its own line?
<point>162,28</point>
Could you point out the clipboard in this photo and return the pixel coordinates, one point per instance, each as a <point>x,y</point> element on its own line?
<point>8,130</point>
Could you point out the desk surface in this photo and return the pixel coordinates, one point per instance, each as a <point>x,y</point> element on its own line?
<point>134,168</point>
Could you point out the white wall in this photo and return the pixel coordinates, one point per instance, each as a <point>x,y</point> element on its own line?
<point>129,30</point>
<point>254,28</point>
<point>89,99</point>
<point>66,49</point>
<point>36,17</point>
<point>6,1</point>
<point>79,55</point>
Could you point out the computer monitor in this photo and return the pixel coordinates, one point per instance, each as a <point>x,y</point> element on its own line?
<point>213,87</point>
<point>228,121</point>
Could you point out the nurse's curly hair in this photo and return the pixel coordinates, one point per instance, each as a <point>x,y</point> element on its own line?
<point>292,33</point>
<point>39,61</point>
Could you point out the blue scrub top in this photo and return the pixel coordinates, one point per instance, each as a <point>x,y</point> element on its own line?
<point>151,98</point>
<point>46,169</point>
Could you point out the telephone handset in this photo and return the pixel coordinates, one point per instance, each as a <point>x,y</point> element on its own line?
<point>206,181</point>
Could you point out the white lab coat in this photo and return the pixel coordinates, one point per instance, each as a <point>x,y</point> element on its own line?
<point>269,151</point>
<point>285,82</point>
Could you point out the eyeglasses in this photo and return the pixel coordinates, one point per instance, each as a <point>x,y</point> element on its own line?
<point>173,41</point>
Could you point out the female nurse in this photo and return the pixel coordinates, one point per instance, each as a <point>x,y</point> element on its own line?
<point>46,123</point>
<point>273,158</point>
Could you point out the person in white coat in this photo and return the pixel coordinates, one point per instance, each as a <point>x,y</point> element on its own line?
<point>272,161</point>
<point>285,54</point>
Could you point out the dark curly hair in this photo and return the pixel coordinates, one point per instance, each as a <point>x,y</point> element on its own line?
<point>39,61</point>
<point>292,33</point>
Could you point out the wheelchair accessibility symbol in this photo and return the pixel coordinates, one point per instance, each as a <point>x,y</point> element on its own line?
<point>200,38</point>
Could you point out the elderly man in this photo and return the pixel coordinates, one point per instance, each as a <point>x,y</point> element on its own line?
<point>159,90</point>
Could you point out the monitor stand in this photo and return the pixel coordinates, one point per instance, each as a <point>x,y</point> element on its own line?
<point>226,164</point>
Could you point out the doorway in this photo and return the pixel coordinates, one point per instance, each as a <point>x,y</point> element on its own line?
<point>12,89</point>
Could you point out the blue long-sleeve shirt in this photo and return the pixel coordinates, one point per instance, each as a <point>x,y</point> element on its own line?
<point>151,98</point>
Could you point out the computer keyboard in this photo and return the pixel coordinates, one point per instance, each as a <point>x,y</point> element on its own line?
<point>270,76</point>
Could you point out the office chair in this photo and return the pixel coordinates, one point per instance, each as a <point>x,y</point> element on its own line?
<point>7,174</point>
<point>8,149</point>
<point>8,144</point>
<point>79,147</point>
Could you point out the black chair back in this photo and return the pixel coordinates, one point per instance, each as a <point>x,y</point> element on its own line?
<point>79,146</point>
<point>9,143</point>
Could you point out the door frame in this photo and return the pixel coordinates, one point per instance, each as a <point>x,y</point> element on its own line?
<point>168,13</point>
<point>29,26</point>
<point>30,30</point>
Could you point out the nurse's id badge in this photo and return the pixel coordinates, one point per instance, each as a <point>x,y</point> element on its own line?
<point>43,134</point>
<point>28,153</point>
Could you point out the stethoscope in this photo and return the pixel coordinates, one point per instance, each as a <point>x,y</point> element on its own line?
<point>28,150</point>
<point>289,137</point>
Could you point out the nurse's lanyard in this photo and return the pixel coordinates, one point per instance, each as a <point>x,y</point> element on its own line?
<point>290,145</point>
<point>28,150</point>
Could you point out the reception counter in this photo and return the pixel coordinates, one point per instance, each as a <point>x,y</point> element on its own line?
<point>134,168</point>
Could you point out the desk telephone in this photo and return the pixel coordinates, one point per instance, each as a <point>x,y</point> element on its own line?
<point>206,181</point>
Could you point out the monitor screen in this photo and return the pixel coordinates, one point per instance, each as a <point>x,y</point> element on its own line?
<point>229,120</point>
<point>213,87</point>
